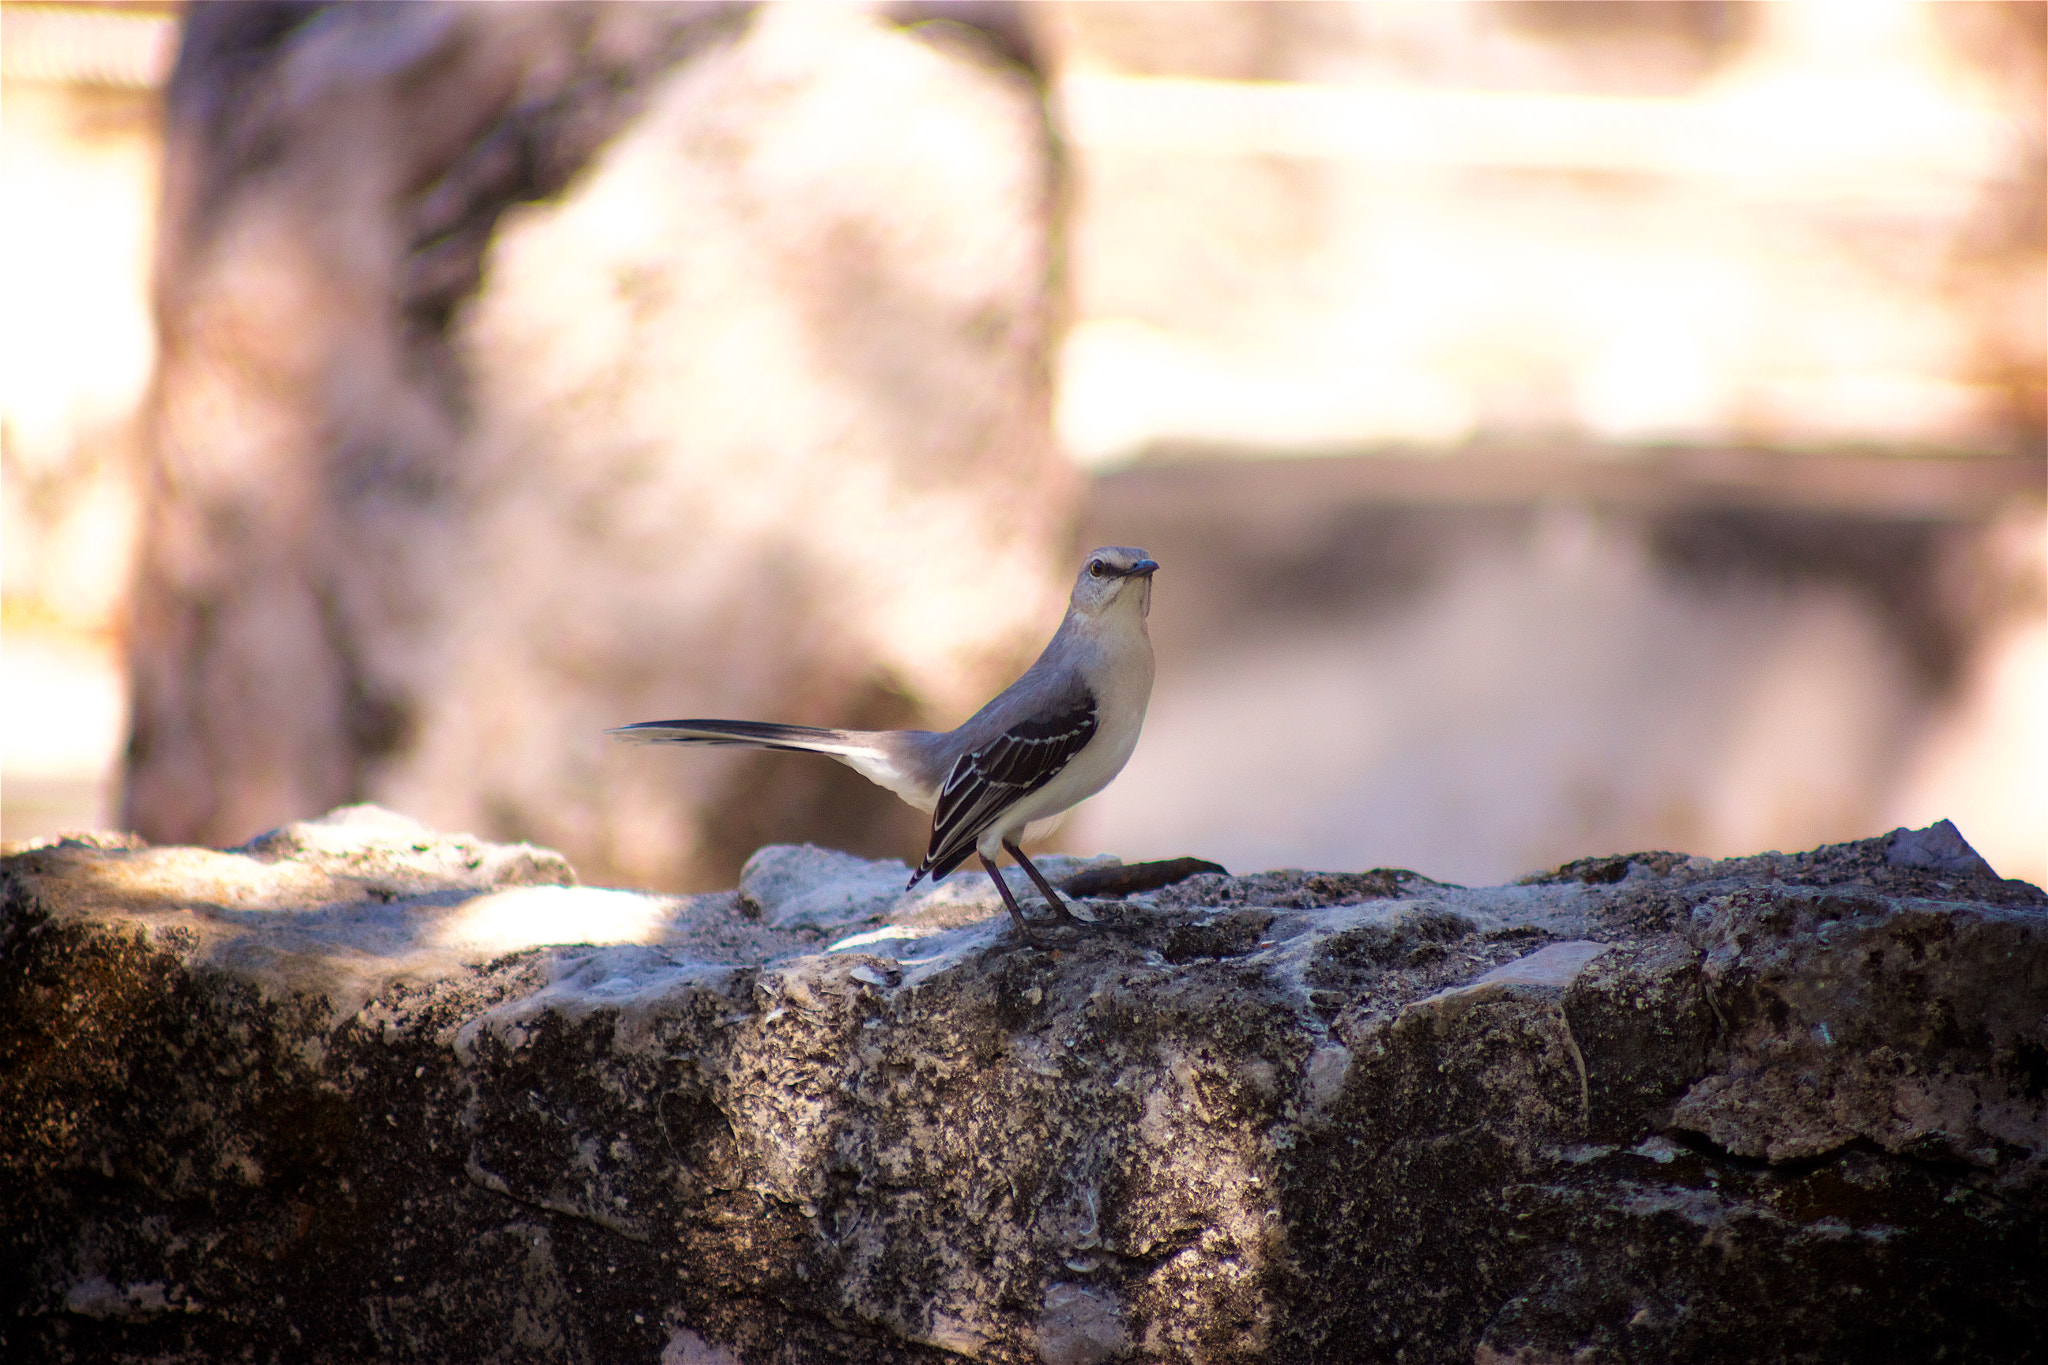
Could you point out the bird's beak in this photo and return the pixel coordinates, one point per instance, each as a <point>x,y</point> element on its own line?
<point>1144,568</point>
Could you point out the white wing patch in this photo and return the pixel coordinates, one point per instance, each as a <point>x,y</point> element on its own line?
<point>988,781</point>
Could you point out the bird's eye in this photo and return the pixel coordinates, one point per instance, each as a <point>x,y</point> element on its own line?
<point>1096,568</point>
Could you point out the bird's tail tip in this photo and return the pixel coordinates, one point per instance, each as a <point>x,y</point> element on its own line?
<point>639,733</point>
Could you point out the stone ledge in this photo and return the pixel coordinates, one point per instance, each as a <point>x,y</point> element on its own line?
<point>418,1096</point>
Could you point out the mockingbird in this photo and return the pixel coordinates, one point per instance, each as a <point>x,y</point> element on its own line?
<point>1053,738</point>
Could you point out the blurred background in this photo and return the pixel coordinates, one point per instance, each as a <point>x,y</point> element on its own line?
<point>1567,428</point>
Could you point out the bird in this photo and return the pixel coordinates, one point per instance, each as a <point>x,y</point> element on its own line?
<point>1048,741</point>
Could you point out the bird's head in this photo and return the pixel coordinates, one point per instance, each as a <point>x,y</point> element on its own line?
<point>1112,575</point>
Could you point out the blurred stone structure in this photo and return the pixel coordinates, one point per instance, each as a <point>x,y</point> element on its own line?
<point>529,370</point>
<point>1728,530</point>
<point>1669,378</point>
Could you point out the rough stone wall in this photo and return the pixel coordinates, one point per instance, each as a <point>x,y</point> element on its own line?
<point>360,1091</point>
<point>528,370</point>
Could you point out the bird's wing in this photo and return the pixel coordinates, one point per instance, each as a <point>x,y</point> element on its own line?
<point>987,781</point>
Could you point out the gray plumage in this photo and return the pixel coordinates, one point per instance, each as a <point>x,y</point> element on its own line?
<point>1051,739</point>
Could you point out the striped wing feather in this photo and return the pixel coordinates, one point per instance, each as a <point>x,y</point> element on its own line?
<point>988,781</point>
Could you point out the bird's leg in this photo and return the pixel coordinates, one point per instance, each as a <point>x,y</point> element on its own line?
<point>1052,897</point>
<point>1010,903</point>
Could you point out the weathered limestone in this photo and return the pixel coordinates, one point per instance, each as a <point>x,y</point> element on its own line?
<point>359,1090</point>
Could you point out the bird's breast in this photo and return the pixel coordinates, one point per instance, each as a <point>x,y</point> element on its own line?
<point>1121,678</point>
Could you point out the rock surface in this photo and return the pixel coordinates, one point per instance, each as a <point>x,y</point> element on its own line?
<point>361,1091</point>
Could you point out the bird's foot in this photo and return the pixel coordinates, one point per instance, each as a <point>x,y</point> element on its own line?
<point>1064,918</point>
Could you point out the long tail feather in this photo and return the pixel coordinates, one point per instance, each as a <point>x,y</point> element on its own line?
<point>889,759</point>
<point>751,734</point>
